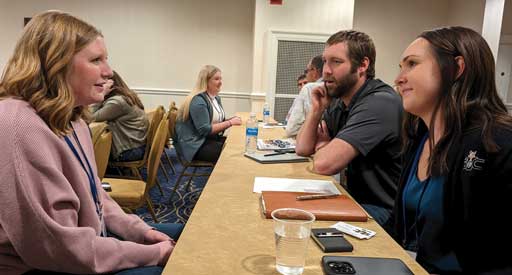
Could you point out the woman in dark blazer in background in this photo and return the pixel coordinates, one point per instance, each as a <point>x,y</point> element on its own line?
<point>201,119</point>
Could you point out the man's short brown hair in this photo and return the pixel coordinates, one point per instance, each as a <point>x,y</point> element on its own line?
<point>360,45</point>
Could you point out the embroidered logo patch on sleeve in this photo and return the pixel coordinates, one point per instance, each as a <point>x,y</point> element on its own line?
<point>472,162</point>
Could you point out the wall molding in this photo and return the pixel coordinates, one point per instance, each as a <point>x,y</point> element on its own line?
<point>286,95</point>
<point>506,39</point>
<point>185,92</point>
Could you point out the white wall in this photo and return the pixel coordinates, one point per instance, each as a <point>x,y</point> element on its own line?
<point>505,52</point>
<point>467,13</point>
<point>506,26</point>
<point>319,16</point>
<point>159,46</point>
<point>491,29</point>
<point>394,24</point>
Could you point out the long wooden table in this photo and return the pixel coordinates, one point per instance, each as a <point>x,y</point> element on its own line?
<point>227,233</point>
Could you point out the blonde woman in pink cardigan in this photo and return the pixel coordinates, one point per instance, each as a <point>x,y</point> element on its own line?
<point>54,215</point>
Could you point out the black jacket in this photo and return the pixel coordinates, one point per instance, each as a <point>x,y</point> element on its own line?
<point>477,203</point>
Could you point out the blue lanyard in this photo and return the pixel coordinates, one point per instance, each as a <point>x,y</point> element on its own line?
<point>89,171</point>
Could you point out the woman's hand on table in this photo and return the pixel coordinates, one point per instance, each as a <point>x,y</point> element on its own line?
<point>235,120</point>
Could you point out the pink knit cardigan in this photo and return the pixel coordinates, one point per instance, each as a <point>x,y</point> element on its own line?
<point>48,219</point>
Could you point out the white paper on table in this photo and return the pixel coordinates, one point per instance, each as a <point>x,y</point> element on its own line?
<point>273,126</point>
<point>294,185</point>
<point>273,144</point>
<point>270,126</point>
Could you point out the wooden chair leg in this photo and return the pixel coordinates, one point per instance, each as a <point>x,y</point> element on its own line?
<point>162,167</point>
<point>127,210</point>
<point>157,183</point>
<point>174,190</point>
<point>151,209</point>
<point>170,163</point>
<point>159,187</point>
<point>137,173</point>
<point>191,177</point>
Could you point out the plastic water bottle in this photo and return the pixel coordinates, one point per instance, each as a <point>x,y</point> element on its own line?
<point>251,134</point>
<point>266,113</point>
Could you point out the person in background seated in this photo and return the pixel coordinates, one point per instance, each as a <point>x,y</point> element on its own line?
<point>302,104</point>
<point>355,123</point>
<point>456,184</point>
<point>201,119</point>
<point>124,113</point>
<point>301,81</point>
<point>54,215</point>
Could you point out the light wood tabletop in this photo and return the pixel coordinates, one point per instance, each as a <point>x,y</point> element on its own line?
<point>228,234</point>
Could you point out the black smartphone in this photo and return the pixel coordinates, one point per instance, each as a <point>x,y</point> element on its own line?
<point>339,265</point>
<point>331,240</point>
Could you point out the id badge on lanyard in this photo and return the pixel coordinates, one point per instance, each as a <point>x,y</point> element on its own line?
<point>92,183</point>
<point>102,221</point>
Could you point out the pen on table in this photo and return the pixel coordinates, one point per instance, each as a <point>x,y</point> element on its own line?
<point>316,197</point>
<point>274,154</point>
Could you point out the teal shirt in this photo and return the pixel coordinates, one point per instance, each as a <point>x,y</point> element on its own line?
<point>424,219</point>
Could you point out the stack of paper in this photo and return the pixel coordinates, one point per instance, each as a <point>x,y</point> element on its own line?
<point>276,144</point>
<point>294,185</point>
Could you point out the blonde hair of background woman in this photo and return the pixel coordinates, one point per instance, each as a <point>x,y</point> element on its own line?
<point>42,58</point>
<point>206,73</point>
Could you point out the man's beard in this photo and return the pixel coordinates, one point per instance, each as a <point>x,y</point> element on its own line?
<point>343,86</point>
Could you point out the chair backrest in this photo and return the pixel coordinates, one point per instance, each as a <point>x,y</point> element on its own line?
<point>154,118</point>
<point>97,128</point>
<point>172,106</point>
<point>173,115</point>
<point>172,112</point>
<point>102,152</point>
<point>156,151</point>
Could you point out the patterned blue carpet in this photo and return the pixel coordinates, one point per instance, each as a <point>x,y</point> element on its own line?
<point>183,202</point>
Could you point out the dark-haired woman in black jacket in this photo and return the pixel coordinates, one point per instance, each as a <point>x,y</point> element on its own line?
<point>455,192</point>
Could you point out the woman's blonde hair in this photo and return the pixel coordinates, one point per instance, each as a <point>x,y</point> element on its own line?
<point>37,70</point>
<point>121,88</point>
<point>206,73</point>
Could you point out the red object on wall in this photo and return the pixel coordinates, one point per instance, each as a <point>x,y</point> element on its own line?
<point>276,2</point>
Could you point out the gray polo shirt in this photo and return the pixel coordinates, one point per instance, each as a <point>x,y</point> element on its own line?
<point>371,123</point>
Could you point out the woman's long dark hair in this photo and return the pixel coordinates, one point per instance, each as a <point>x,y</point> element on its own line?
<point>469,100</point>
<point>121,88</point>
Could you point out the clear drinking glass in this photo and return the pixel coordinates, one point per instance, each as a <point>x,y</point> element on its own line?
<point>292,228</point>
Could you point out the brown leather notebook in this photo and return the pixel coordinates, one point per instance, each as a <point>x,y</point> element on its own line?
<point>341,208</point>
